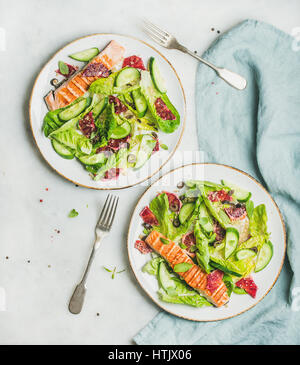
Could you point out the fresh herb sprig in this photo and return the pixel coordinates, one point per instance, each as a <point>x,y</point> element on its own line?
<point>113,271</point>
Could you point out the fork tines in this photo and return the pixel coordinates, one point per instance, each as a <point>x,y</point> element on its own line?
<point>108,213</point>
<point>158,35</point>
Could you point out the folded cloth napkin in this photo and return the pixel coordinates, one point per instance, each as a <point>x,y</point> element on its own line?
<point>258,131</point>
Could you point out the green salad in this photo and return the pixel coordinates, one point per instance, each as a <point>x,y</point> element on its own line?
<point>114,126</point>
<point>219,228</point>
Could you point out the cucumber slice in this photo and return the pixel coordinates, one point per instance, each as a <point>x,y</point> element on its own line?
<point>139,102</point>
<point>164,277</point>
<point>157,79</point>
<point>73,110</point>
<point>92,160</point>
<point>186,211</point>
<point>121,131</point>
<point>244,254</point>
<point>145,150</point>
<point>128,76</point>
<point>205,220</point>
<point>85,55</point>
<point>62,150</point>
<point>99,107</point>
<point>264,256</point>
<point>231,241</point>
<point>240,194</point>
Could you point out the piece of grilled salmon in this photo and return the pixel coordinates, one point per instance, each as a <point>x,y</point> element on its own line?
<point>194,277</point>
<point>78,84</point>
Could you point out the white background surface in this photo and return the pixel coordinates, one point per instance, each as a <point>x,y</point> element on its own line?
<point>37,295</point>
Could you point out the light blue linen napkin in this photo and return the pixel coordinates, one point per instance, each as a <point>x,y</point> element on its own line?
<point>258,131</point>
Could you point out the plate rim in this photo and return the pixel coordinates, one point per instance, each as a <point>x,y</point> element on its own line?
<point>156,301</point>
<point>183,123</point>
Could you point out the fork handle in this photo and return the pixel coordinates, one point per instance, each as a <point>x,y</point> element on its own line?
<point>77,298</point>
<point>232,78</point>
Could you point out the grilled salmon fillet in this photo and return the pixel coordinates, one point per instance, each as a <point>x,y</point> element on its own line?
<point>194,277</point>
<point>78,84</point>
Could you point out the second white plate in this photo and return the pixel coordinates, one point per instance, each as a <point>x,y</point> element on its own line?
<point>265,279</point>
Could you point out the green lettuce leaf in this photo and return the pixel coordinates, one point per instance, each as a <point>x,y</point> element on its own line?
<point>151,94</point>
<point>255,241</point>
<point>74,140</point>
<point>151,267</point>
<point>202,246</point>
<point>110,122</point>
<point>113,160</point>
<point>52,122</point>
<point>179,293</point>
<point>258,221</point>
<point>160,208</point>
<point>103,86</point>
<point>182,294</point>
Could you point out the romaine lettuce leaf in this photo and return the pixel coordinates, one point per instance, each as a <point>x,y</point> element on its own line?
<point>183,295</point>
<point>151,94</point>
<point>103,85</point>
<point>202,246</point>
<point>110,163</point>
<point>110,121</point>
<point>151,267</point>
<point>113,161</point>
<point>179,293</point>
<point>255,241</point>
<point>74,140</point>
<point>52,122</point>
<point>160,208</point>
<point>258,221</point>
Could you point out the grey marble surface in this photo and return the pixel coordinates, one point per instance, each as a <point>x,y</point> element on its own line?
<point>38,266</point>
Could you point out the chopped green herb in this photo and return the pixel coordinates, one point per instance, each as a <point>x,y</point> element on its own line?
<point>105,268</point>
<point>164,241</point>
<point>113,271</point>
<point>113,274</point>
<point>73,213</point>
<point>164,146</point>
<point>63,68</point>
<point>183,246</point>
<point>183,267</point>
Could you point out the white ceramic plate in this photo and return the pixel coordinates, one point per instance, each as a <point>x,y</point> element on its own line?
<point>72,169</point>
<point>264,279</point>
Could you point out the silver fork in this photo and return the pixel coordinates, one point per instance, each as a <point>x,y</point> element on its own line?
<point>102,229</point>
<point>167,40</point>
